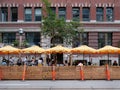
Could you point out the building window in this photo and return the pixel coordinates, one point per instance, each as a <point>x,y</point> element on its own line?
<point>53,10</point>
<point>62,12</point>
<point>109,14</point>
<point>86,14</point>
<point>8,38</point>
<point>99,14</point>
<point>81,39</point>
<point>28,14</point>
<point>104,39</point>
<point>76,14</point>
<point>33,38</point>
<point>38,14</point>
<point>14,14</point>
<point>4,14</point>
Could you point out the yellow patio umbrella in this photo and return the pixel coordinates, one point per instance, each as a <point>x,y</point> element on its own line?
<point>84,50</point>
<point>9,50</point>
<point>33,49</point>
<point>108,50</point>
<point>58,49</point>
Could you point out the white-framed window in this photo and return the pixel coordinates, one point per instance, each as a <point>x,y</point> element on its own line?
<point>75,13</point>
<point>38,14</point>
<point>99,14</point>
<point>109,14</point>
<point>28,14</point>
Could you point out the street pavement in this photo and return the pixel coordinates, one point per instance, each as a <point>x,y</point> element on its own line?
<point>59,85</point>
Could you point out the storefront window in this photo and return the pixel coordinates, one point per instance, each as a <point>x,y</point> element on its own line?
<point>33,38</point>
<point>81,39</point>
<point>8,37</point>
<point>104,39</point>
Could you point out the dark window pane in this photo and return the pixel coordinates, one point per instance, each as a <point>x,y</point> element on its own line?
<point>14,14</point>
<point>38,14</point>
<point>99,14</point>
<point>109,14</point>
<point>81,39</point>
<point>75,14</point>
<point>53,10</point>
<point>104,39</point>
<point>8,38</point>
<point>62,12</point>
<point>86,14</point>
<point>4,14</point>
<point>28,14</point>
<point>33,38</point>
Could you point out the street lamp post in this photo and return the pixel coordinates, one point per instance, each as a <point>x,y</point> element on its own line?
<point>20,39</point>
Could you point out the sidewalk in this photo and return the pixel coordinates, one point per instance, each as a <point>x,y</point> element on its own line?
<point>60,85</point>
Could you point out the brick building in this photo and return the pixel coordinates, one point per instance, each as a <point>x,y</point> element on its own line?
<point>100,18</point>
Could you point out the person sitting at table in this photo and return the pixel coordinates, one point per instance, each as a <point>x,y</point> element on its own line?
<point>115,63</point>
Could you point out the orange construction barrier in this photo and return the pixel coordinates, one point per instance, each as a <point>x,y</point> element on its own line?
<point>107,72</point>
<point>53,73</point>
<point>24,72</point>
<point>0,73</point>
<point>81,73</point>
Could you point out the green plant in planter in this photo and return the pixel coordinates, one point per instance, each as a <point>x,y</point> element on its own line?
<point>25,43</point>
<point>16,43</point>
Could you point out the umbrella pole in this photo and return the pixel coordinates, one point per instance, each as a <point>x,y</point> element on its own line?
<point>8,59</point>
<point>70,59</point>
<point>108,59</point>
<point>83,56</point>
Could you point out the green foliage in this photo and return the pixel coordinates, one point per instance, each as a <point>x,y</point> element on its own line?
<point>53,26</point>
<point>25,43</point>
<point>16,43</point>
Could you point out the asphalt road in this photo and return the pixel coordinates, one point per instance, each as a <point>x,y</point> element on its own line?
<point>60,85</point>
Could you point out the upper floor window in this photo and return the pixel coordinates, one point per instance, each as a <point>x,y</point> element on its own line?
<point>104,39</point>
<point>62,12</point>
<point>109,14</point>
<point>99,14</point>
<point>28,14</point>
<point>76,14</point>
<point>86,14</point>
<point>53,10</point>
<point>14,14</point>
<point>38,14</point>
<point>81,39</point>
<point>8,37</point>
<point>4,14</point>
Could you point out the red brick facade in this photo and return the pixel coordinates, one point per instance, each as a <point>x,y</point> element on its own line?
<point>92,27</point>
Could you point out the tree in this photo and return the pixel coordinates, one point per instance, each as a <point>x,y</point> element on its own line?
<point>53,26</point>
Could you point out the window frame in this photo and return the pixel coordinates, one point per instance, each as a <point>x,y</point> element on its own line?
<point>86,12</point>
<point>26,15</point>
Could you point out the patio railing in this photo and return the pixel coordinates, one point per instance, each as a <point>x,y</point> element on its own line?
<point>61,73</point>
